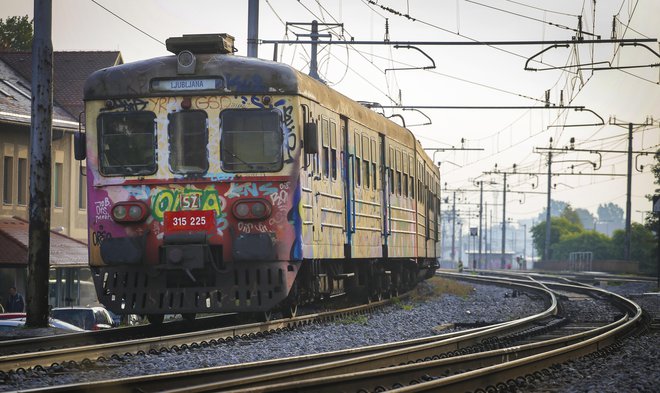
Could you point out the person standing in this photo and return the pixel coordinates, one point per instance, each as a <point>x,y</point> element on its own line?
<point>15,303</point>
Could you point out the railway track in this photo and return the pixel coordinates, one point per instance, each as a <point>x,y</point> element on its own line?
<point>493,356</point>
<point>74,348</point>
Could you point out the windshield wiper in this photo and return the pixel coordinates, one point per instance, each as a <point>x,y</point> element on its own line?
<point>233,155</point>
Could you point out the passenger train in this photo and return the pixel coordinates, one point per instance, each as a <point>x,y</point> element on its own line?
<point>220,183</point>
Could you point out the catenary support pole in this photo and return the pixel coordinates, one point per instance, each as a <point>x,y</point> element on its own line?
<point>481,213</point>
<point>546,247</point>
<point>503,262</point>
<point>253,29</point>
<point>626,246</point>
<point>40,166</point>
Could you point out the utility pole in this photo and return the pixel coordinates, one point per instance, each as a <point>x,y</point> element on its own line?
<point>40,166</point>
<point>503,224</point>
<point>253,29</point>
<point>481,212</point>
<point>546,247</point>
<point>628,174</point>
<point>453,230</point>
<point>525,246</point>
<point>626,246</point>
<point>313,63</point>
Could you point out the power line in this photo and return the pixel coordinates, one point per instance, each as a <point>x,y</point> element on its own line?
<point>128,23</point>
<point>541,9</point>
<point>531,18</point>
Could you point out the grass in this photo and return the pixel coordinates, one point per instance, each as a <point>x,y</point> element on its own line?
<point>438,286</point>
<point>354,320</point>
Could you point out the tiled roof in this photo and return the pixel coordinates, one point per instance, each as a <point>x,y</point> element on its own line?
<point>14,234</point>
<point>16,103</point>
<point>70,70</point>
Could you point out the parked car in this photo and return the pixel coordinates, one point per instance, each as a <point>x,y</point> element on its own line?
<point>12,315</point>
<point>125,319</point>
<point>88,318</point>
<point>11,324</point>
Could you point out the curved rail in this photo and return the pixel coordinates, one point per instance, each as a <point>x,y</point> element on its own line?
<point>170,339</point>
<point>289,370</point>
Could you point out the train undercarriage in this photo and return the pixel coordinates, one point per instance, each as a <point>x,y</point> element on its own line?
<point>256,289</point>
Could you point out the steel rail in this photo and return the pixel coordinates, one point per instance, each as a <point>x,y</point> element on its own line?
<point>156,343</point>
<point>291,369</point>
<point>489,368</point>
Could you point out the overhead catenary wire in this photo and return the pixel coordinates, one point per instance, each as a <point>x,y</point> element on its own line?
<point>127,22</point>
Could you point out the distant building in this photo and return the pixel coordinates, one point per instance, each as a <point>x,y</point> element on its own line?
<point>68,193</point>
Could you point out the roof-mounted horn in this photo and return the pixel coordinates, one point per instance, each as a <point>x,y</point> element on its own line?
<point>202,43</point>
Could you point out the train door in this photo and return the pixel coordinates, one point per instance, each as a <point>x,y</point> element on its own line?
<point>347,164</point>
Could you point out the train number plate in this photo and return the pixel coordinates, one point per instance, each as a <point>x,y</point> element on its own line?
<point>189,220</point>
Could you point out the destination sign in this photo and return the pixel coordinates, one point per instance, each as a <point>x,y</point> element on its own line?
<point>185,84</point>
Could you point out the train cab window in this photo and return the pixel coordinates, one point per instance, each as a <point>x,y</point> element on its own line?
<point>187,134</point>
<point>333,149</point>
<point>127,143</point>
<point>251,140</point>
<point>399,166</point>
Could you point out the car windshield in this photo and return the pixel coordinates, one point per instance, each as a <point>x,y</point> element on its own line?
<point>251,140</point>
<point>78,317</point>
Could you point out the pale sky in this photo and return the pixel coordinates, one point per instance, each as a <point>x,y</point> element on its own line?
<point>464,75</point>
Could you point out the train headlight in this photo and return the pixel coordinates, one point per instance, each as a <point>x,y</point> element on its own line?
<point>133,211</point>
<point>258,210</point>
<point>119,212</point>
<point>251,209</point>
<point>241,210</point>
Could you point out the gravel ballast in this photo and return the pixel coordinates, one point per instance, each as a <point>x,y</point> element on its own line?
<point>407,320</point>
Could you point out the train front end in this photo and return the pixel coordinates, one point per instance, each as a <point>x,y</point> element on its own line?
<point>193,191</point>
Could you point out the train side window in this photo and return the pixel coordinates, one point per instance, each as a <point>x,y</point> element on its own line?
<point>399,167</point>
<point>187,134</point>
<point>366,161</point>
<point>358,166</point>
<point>325,152</point>
<point>405,176</point>
<point>333,149</point>
<point>391,171</point>
<point>127,143</point>
<point>374,160</point>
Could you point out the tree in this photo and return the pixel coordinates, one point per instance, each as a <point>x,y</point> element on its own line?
<point>586,218</point>
<point>16,33</point>
<point>571,216</point>
<point>556,208</point>
<point>643,246</point>
<point>599,244</point>
<point>560,227</point>
<point>611,214</point>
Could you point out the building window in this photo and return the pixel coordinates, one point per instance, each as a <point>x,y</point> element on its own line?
<point>22,181</point>
<point>8,180</point>
<point>57,184</point>
<point>82,188</point>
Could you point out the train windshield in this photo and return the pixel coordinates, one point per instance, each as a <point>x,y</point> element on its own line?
<point>251,140</point>
<point>188,136</point>
<point>127,143</point>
